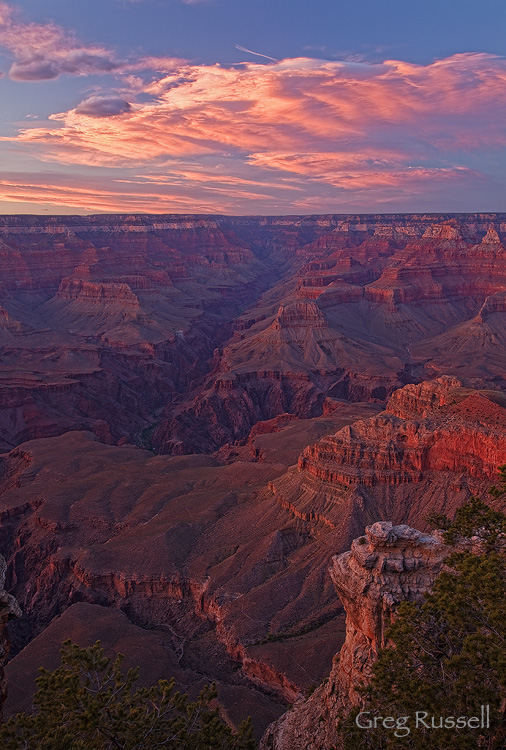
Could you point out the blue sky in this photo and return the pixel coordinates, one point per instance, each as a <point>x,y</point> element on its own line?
<point>207,31</point>
<point>116,105</point>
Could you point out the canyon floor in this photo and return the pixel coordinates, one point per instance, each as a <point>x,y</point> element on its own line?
<point>197,413</point>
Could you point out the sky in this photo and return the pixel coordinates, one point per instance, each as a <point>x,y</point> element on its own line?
<point>252,106</point>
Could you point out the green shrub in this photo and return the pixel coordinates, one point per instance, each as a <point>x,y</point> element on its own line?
<point>88,703</point>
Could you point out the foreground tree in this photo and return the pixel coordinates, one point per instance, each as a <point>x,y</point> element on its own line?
<point>88,703</point>
<point>447,656</point>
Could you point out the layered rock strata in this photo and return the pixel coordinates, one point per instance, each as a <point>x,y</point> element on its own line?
<point>365,308</point>
<point>181,332</point>
<point>434,444</point>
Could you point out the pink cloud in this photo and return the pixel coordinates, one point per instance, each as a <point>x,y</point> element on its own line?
<point>356,170</point>
<point>341,133</point>
<point>299,105</point>
<point>189,189</point>
<point>95,195</point>
<point>46,51</point>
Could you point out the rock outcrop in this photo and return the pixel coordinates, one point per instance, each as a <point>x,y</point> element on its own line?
<point>417,401</point>
<point>389,450</point>
<point>387,566</point>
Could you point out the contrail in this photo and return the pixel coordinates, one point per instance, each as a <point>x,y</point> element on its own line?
<point>258,54</point>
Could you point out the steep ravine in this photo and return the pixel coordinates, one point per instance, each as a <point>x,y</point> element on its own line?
<point>180,609</point>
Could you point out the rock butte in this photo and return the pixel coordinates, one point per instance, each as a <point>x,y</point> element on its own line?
<point>197,413</point>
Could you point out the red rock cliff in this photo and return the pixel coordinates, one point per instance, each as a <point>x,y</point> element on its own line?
<point>434,434</point>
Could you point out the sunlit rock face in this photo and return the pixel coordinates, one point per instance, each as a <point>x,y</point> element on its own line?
<point>433,445</point>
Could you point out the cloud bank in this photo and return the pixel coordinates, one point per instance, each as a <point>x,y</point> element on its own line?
<point>302,116</point>
<point>103,106</point>
<point>301,134</point>
<point>46,51</point>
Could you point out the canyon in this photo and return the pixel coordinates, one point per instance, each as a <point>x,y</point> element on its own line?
<point>198,413</point>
